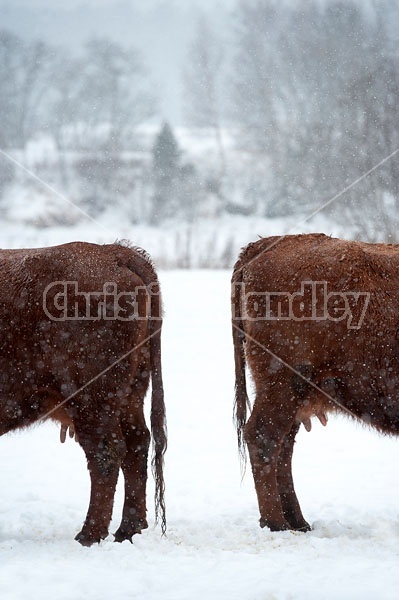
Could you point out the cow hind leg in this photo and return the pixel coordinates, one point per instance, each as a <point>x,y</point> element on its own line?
<point>104,452</point>
<point>134,467</point>
<point>289,501</point>
<point>271,420</point>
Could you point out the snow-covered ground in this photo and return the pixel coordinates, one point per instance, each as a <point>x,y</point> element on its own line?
<point>347,479</point>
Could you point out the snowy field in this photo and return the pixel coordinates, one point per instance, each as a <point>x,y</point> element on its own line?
<point>347,479</point>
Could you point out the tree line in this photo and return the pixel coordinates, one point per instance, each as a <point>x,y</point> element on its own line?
<point>308,94</point>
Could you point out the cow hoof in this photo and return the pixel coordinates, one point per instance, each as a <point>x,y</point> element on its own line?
<point>286,526</point>
<point>127,533</point>
<point>88,540</point>
<point>304,528</point>
<point>273,526</point>
<point>121,536</point>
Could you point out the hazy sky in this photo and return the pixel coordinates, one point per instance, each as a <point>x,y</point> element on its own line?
<point>160,29</point>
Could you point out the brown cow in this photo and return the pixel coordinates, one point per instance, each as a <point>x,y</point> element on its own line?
<point>80,339</point>
<point>316,319</point>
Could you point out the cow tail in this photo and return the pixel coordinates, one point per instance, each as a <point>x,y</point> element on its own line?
<point>241,398</point>
<point>158,415</point>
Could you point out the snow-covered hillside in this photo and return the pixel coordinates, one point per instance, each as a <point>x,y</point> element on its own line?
<point>38,209</point>
<point>346,476</point>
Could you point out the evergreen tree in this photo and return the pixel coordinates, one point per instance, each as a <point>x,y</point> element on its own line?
<point>166,174</point>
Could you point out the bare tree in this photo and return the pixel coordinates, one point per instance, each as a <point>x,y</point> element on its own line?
<point>23,75</point>
<point>202,81</point>
<point>254,75</point>
<point>113,92</point>
<point>314,91</point>
<point>257,87</point>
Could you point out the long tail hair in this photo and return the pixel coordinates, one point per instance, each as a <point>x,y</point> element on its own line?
<point>158,416</point>
<point>241,398</point>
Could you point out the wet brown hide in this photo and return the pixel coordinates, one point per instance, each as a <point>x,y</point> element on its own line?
<point>305,367</point>
<point>67,357</point>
